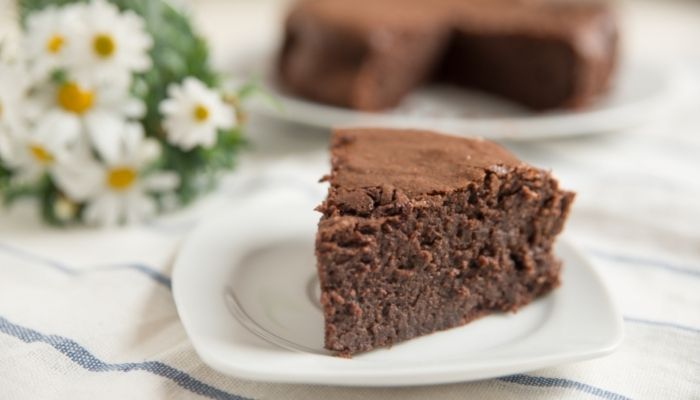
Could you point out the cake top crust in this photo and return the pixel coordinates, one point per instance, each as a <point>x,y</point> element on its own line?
<point>560,16</point>
<point>412,161</point>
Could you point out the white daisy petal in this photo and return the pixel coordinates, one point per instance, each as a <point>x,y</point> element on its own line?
<point>12,153</point>
<point>174,91</point>
<point>5,146</point>
<point>79,180</point>
<point>134,108</point>
<point>106,132</point>
<point>131,140</point>
<point>209,139</point>
<point>191,85</point>
<point>150,150</point>
<point>13,99</point>
<point>104,210</point>
<point>168,106</point>
<point>58,127</point>
<point>161,182</point>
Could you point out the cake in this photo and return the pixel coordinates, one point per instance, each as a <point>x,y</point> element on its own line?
<point>369,54</point>
<point>422,232</point>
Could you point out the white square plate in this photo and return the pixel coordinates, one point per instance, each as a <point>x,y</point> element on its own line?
<point>246,291</point>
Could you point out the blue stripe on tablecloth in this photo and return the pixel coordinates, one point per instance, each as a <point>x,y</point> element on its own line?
<point>17,252</point>
<point>143,269</point>
<point>81,356</point>
<point>643,261</point>
<point>663,324</point>
<point>541,381</point>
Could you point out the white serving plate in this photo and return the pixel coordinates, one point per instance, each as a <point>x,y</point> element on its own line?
<point>246,291</point>
<point>639,93</point>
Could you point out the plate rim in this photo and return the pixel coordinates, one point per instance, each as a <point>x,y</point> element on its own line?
<point>445,372</point>
<point>556,124</point>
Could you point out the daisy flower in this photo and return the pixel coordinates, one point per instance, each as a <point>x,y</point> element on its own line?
<point>98,110</point>
<point>116,189</point>
<point>32,153</point>
<point>193,114</point>
<point>49,34</point>
<point>112,44</point>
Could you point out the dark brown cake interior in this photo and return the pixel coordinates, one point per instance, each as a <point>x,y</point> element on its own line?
<point>422,232</point>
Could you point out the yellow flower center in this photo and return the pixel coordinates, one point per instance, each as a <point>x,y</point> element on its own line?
<point>104,45</point>
<point>55,44</point>
<point>120,178</point>
<point>73,98</point>
<point>200,113</point>
<point>40,154</point>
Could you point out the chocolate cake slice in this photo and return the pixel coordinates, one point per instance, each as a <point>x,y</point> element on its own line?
<point>369,54</point>
<point>423,232</point>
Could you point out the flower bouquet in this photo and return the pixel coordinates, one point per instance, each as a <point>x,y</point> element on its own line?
<point>110,111</point>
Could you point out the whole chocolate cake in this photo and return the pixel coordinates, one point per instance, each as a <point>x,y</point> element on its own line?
<point>423,232</point>
<point>369,54</point>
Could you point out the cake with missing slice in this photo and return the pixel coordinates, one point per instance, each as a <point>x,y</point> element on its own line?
<point>423,232</point>
<point>370,54</point>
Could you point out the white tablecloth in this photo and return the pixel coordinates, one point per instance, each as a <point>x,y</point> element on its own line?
<point>88,314</point>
